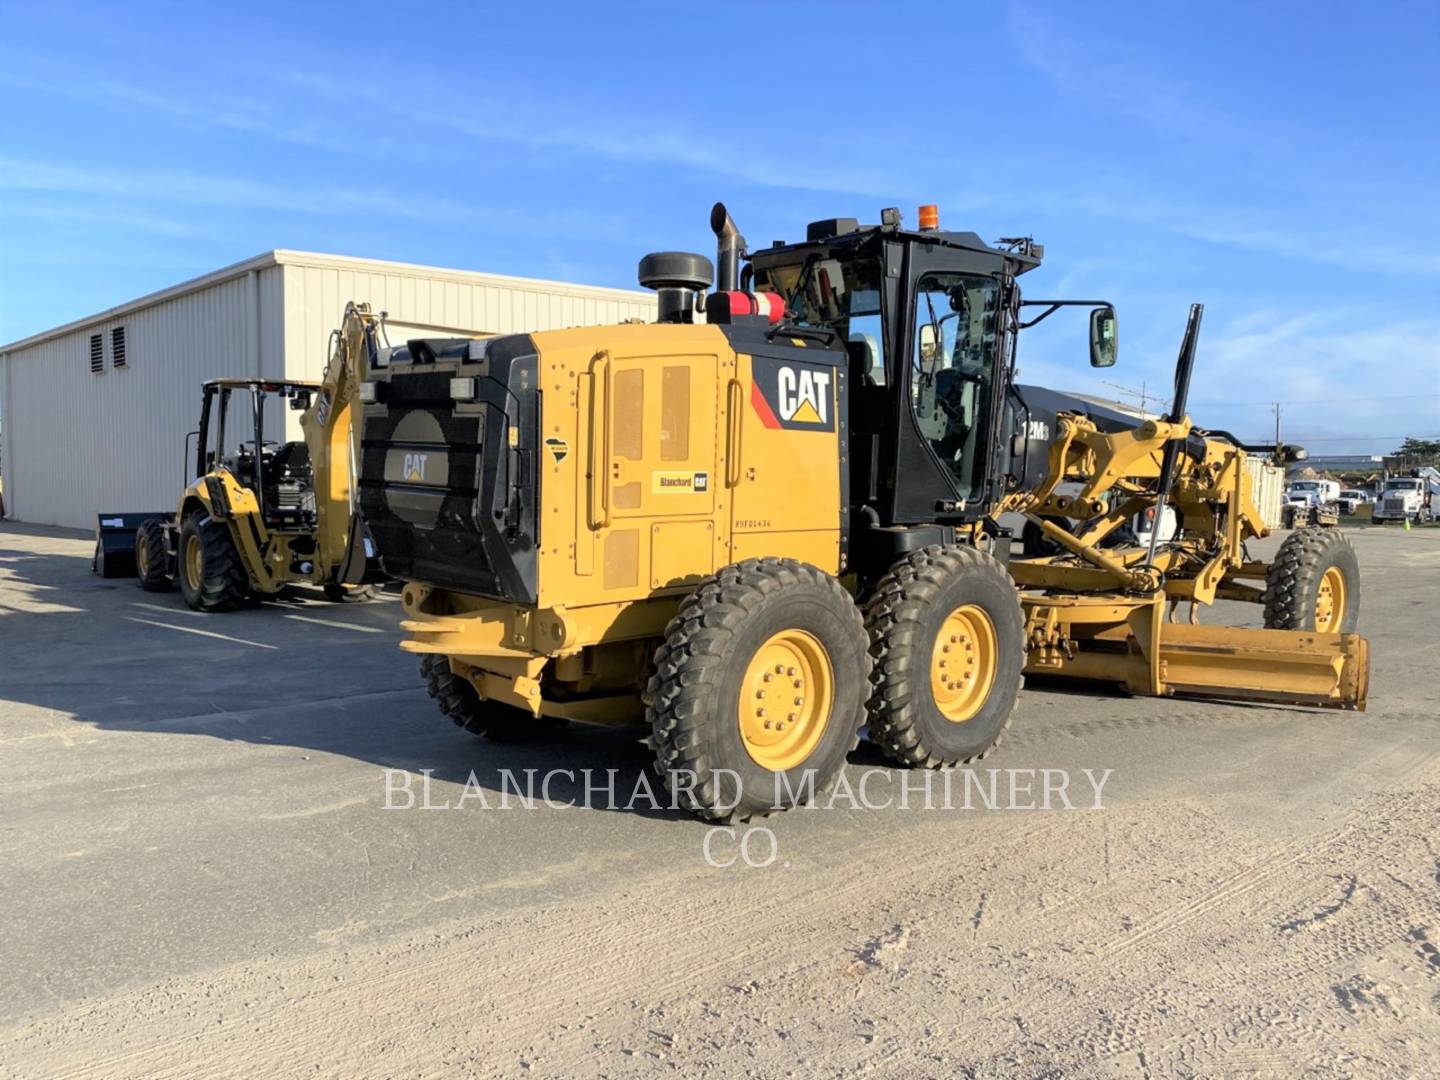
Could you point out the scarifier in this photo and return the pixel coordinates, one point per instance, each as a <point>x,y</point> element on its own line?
<point>773,517</point>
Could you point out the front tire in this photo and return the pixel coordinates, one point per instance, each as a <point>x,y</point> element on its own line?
<point>948,638</point>
<point>152,557</point>
<point>212,577</point>
<point>759,689</point>
<point>1314,584</point>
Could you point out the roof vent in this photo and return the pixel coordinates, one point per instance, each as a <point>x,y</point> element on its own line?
<point>117,347</point>
<point>97,354</point>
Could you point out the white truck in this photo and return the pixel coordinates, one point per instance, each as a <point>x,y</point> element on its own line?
<point>1313,492</point>
<point>1311,502</point>
<point>1351,499</point>
<point>1409,498</point>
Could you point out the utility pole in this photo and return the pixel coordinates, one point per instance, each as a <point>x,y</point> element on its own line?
<point>1276,408</point>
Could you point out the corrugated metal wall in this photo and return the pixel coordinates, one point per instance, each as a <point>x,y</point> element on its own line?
<point>78,444</point>
<point>420,303</point>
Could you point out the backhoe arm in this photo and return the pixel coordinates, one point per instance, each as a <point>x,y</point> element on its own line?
<point>332,435</point>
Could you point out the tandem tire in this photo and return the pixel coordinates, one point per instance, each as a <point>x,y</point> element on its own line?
<point>212,577</point>
<point>948,637</point>
<point>1314,583</point>
<point>759,690</point>
<point>459,700</point>
<point>152,557</point>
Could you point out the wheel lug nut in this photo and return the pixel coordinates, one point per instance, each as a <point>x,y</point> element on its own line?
<point>761,713</point>
<point>791,717</point>
<point>767,725</point>
<point>790,671</point>
<point>759,693</point>
<point>768,677</point>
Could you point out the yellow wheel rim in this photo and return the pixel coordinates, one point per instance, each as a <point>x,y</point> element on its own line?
<point>962,665</point>
<point>142,554</point>
<point>1330,602</point>
<point>194,562</point>
<point>785,700</point>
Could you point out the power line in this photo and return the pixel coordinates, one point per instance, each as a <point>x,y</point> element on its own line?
<point>1314,401</point>
<point>1353,438</point>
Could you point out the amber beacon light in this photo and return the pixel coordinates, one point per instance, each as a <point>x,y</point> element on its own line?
<point>929,217</point>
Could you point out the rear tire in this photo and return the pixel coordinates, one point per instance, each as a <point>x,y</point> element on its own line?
<point>152,557</point>
<point>212,577</point>
<point>1314,583</point>
<point>772,636</point>
<point>461,702</point>
<point>948,638</point>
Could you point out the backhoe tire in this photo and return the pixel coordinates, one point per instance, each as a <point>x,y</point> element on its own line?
<point>459,700</point>
<point>1314,583</point>
<point>758,691</point>
<point>152,557</point>
<point>212,577</point>
<point>354,594</point>
<point>948,638</point>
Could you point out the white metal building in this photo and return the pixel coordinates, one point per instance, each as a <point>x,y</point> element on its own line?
<point>93,414</point>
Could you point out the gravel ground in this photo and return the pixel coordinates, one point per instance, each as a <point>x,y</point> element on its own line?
<point>202,877</point>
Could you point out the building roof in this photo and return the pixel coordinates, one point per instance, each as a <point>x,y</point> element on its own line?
<point>286,257</point>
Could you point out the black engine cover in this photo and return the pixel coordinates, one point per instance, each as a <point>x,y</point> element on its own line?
<point>448,487</point>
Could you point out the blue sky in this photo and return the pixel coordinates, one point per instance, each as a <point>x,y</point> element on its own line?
<point>1279,162</point>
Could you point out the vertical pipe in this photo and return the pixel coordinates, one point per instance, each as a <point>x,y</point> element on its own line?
<point>1184,365</point>
<point>729,245</point>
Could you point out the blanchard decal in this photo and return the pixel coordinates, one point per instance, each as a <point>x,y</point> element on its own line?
<point>322,408</point>
<point>675,482</point>
<point>793,395</point>
<point>559,448</point>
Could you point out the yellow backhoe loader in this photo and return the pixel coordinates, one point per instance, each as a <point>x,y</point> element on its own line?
<point>265,515</point>
<point>773,517</point>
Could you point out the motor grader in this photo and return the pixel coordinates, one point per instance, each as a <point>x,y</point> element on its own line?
<point>266,515</point>
<point>770,519</point>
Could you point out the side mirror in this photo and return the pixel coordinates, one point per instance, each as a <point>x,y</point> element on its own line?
<point>932,346</point>
<point>300,401</point>
<point>1104,337</point>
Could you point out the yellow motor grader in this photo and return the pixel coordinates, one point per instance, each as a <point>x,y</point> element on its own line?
<point>772,518</point>
<point>263,515</point>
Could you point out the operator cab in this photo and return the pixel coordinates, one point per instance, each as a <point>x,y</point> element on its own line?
<point>928,320</point>
<point>231,436</point>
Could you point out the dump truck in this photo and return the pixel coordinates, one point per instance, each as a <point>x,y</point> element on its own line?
<point>771,518</point>
<point>262,515</point>
<point>1411,496</point>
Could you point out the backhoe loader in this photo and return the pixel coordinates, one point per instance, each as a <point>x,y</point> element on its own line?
<point>772,518</point>
<point>266,515</point>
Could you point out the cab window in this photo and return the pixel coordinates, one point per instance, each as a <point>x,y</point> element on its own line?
<point>952,376</point>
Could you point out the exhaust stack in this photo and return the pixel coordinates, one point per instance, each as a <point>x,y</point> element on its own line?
<point>729,246</point>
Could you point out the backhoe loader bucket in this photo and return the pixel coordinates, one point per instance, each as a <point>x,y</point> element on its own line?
<point>115,542</point>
